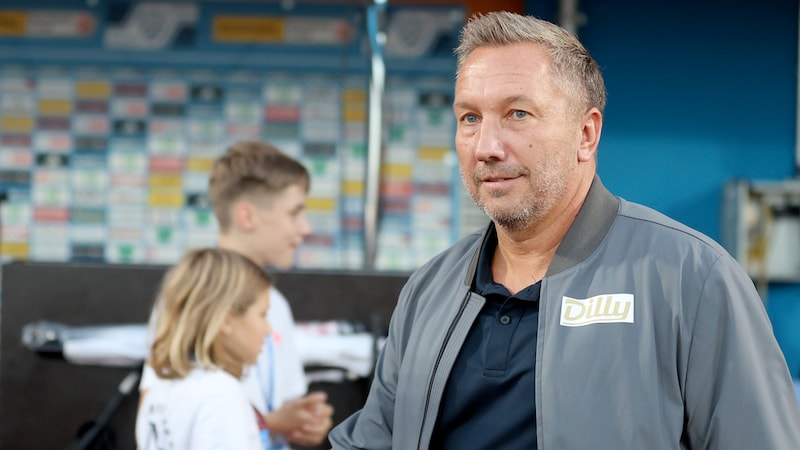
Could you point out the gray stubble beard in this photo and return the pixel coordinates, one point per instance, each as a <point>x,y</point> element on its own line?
<point>531,211</point>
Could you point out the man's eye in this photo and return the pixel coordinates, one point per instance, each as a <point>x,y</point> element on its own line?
<point>469,118</point>
<point>520,114</point>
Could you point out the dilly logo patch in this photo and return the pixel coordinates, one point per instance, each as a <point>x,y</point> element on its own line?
<point>606,308</point>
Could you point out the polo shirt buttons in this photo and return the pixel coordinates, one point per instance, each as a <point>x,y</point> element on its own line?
<point>505,320</point>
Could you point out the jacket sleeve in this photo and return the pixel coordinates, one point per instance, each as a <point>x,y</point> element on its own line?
<point>738,391</point>
<point>372,426</point>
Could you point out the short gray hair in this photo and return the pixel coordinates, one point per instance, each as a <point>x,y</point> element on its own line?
<point>575,71</point>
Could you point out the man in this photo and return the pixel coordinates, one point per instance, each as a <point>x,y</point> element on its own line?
<point>258,195</point>
<point>576,320</point>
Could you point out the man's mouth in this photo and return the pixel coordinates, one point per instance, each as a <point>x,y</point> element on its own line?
<point>498,178</point>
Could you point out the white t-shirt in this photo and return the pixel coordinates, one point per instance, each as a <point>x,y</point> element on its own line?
<point>279,360</point>
<point>289,377</point>
<point>207,409</point>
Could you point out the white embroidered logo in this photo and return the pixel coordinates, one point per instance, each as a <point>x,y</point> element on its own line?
<point>606,308</point>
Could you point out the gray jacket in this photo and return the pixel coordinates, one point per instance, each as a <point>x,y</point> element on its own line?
<point>650,337</point>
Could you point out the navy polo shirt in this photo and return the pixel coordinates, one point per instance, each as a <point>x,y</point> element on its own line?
<point>489,400</point>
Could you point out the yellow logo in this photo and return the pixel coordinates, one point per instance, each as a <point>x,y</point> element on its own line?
<point>606,308</point>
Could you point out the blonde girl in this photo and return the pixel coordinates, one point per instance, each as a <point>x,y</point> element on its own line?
<point>211,324</point>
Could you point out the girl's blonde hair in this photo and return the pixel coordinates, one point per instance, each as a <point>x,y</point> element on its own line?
<point>195,297</point>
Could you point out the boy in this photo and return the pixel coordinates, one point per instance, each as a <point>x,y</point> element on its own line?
<point>258,195</point>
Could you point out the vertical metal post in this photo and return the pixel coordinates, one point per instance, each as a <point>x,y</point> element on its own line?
<point>797,111</point>
<point>377,81</point>
<point>568,15</point>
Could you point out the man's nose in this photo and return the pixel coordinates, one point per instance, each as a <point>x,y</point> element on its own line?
<point>489,144</point>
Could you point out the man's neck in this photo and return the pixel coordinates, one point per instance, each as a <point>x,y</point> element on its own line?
<point>523,256</point>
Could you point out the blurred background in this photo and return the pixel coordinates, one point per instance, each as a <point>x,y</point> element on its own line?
<point>112,111</point>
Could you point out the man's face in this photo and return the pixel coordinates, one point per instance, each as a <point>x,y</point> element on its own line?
<point>280,228</point>
<point>516,139</point>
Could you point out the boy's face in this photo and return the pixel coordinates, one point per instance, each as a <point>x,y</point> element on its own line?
<point>278,230</point>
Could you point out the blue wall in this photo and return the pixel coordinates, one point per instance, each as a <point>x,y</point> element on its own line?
<point>697,95</point>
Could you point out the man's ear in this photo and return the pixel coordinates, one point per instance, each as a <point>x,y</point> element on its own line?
<point>244,215</point>
<point>590,135</point>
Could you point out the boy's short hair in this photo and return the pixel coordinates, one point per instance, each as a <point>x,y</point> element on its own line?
<point>195,297</point>
<point>254,170</point>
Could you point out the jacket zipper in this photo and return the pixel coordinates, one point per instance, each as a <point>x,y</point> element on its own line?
<point>436,365</point>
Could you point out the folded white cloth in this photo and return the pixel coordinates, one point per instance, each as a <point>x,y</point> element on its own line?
<point>352,352</point>
<point>319,344</point>
<point>118,346</point>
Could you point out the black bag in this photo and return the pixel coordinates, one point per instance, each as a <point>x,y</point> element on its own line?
<point>98,435</point>
<point>95,436</point>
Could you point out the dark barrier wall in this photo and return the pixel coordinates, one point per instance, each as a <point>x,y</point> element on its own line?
<point>45,400</point>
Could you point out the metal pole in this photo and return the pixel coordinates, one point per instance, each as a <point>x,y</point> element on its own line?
<point>377,81</point>
<point>568,15</point>
<point>797,110</point>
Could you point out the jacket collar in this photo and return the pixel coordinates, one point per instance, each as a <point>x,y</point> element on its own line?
<point>589,229</point>
<point>584,236</point>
